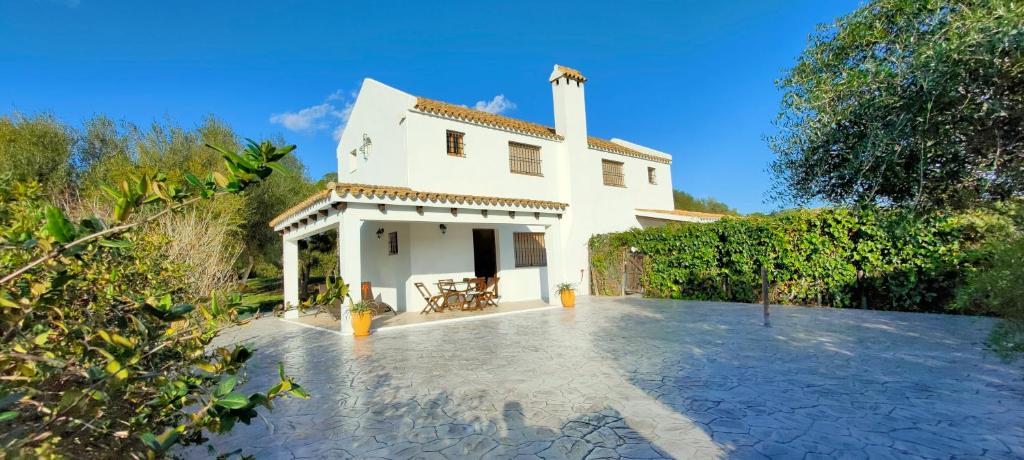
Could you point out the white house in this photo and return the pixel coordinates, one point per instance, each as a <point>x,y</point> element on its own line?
<point>430,190</point>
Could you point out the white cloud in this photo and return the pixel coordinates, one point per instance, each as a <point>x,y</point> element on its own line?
<point>333,112</point>
<point>307,119</point>
<point>498,104</point>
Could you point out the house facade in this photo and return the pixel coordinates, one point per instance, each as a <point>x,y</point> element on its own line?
<point>429,190</point>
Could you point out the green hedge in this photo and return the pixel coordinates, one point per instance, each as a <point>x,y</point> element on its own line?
<point>880,259</point>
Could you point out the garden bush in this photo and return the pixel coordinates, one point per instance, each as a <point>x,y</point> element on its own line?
<point>842,257</point>
<point>105,349</point>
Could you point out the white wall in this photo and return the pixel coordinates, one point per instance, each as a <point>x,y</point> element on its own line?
<point>485,168</point>
<point>379,112</point>
<point>387,273</point>
<point>425,255</point>
<point>436,256</point>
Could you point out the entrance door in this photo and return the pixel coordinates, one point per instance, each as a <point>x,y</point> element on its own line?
<point>485,257</point>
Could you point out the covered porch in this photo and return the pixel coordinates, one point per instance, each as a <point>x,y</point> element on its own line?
<point>395,238</point>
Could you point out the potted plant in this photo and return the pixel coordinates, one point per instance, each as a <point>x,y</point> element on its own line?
<point>362,316</point>
<point>568,293</point>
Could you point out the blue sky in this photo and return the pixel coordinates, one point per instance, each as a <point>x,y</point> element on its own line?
<point>692,78</point>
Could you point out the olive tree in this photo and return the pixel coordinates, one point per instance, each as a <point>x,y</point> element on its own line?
<point>918,103</point>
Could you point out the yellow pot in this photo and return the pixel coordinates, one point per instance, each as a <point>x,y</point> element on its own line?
<point>361,323</point>
<point>568,298</point>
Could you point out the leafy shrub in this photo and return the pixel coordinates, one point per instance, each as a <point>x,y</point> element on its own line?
<point>997,290</point>
<point>102,348</point>
<point>885,259</point>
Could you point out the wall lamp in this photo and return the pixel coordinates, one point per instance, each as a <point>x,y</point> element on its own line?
<point>444,229</point>
<point>380,233</point>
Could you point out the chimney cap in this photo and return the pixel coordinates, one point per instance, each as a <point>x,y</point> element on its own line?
<point>567,72</point>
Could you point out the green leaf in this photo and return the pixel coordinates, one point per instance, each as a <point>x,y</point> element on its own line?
<point>41,338</point>
<point>58,226</point>
<point>167,439</point>
<point>149,439</point>
<point>298,392</point>
<point>7,416</point>
<point>116,243</point>
<point>234,400</point>
<point>225,386</point>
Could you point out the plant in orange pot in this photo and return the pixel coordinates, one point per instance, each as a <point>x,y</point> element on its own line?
<point>362,316</point>
<point>568,293</point>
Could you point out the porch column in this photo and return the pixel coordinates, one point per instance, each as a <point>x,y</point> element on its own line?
<point>349,261</point>
<point>556,261</point>
<point>290,273</point>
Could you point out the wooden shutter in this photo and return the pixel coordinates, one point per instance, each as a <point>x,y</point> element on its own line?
<point>529,249</point>
<point>524,159</point>
<point>392,243</point>
<point>455,145</point>
<point>611,173</point>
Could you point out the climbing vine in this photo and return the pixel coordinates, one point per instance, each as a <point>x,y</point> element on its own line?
<point>842,257</point>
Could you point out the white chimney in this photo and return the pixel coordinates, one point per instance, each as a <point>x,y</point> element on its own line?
<point>570,105</point>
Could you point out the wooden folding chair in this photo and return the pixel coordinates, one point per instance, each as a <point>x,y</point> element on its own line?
<point>431,299</point>
<point>453,298</point>
<point>488,297</point>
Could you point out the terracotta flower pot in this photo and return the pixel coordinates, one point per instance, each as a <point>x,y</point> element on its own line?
<point>568,298</point>
<point>361,323</point>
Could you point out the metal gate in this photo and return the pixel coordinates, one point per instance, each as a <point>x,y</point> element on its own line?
<point>633,273</point>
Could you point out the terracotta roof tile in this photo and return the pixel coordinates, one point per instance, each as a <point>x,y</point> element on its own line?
<point>477,116</point>
<point>609,146</point>
<point>321,195</point>
<point>683,213</point>
<point>378,191</point>
<point>381,191</point>
<point>573,74</point>
<point>459,112</point>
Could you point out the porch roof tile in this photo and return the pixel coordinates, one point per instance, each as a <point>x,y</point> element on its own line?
<point>385,191</point>
<point>706,216</point>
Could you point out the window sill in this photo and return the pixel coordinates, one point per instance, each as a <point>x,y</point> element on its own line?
<point>527,174</point>
<point>616,186</point>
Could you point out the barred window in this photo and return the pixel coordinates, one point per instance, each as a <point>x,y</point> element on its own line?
<point>455,146</point>
<point>611,173</point>
<point>652,178</point>
<point>392,243</point>
<point>524,159</point>
<point>529,248</point>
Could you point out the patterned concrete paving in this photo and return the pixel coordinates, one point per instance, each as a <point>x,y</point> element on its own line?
<point>634,378</point>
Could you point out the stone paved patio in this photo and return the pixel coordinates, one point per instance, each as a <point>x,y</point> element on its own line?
<point>634,378</point>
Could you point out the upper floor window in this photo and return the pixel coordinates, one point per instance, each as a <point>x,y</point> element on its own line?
<point>611,173</point>
<point>524,159</point>
<point>652,176</point>
<point>455,146</point>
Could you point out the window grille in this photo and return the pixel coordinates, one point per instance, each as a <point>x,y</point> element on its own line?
<point>456,148</point>
<point>652,177</point>
<point>611,173</point>
<point>529,249</point>
<point>524,159</point>
<point>392,243</point>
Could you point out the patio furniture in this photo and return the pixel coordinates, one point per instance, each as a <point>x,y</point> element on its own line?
<point>453,296</point>
<point>431,299</point>
<point>488,296</point>
<point>378,307</point>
